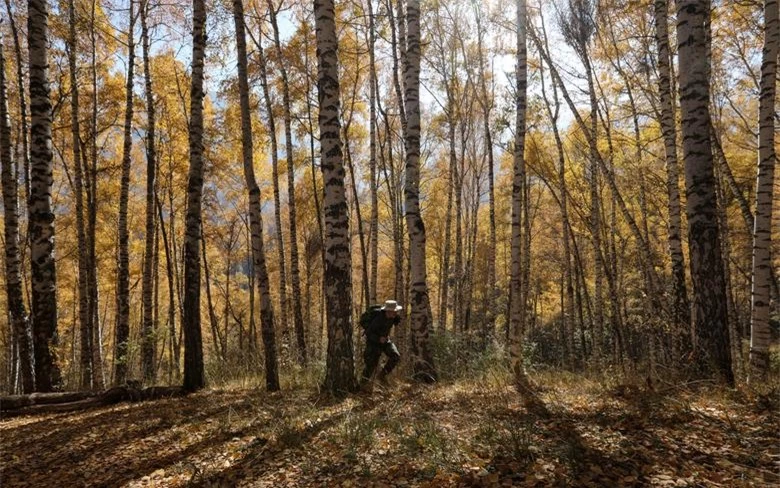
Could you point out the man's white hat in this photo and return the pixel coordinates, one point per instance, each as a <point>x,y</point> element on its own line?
<point>392,306</point>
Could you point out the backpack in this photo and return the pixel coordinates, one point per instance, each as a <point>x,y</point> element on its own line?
<point>368,316</point>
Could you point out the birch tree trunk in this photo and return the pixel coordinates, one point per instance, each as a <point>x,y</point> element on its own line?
<point>358,215</point>
<point>216,338</point>
<point>373,231</point>
<point>123,274</point>
<point>567,311</point>
<point>18,313</point>
<point>710,318</point>
<point>516,286</point>
<point>735,338</point>
<point>681,308</point>
<point>277,200</point>
<point>91,190</point>
<point>420,318</point>
<point>173,347</point>
<point>85,335</point>
<point>762,230</point>
<point>339,372</point>
<point>317,206</point>
<point>392,190</point>
<point>486,103</point>
<point>24,129</point>
<point>255,207</point>
<point>148,329</point>
<point>444,291</point>
<point>445,68</point>
<point>41,216</point>
<point>457,315</point>
<point>194,378</point>
<point>294,261</point>
<point>396,47</point>
<point>595,208</point>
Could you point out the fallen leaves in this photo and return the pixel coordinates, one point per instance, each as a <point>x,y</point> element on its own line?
<point>462,434</point>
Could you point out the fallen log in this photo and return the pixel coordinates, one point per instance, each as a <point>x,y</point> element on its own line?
<point>35,403</point>
<point>12,402</point>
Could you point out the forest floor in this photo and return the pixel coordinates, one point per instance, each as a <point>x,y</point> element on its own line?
<point>572,431</point>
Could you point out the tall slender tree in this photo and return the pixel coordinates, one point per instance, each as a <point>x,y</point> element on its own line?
<point>24,129</point>
<point>680,304</point>
<point>420,318</point>
<point>373,231</point>
<point>295,276</point>
<point>91,173</point>
<point>269,107</point>
<point>123,273</point>
<point>486,104</point>
<point>255,207</point>
<point>78,187</point>
<point>339,371</point>
<point>577,23</point>
<point>517,294</point>
<point>147,285</point>
<point>13,279</point>
<point>194,377</point>
<point>710,318</point>
<point>762,230</point>
<point>41,215</point>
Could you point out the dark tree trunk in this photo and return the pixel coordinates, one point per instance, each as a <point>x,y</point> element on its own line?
<point>123,274</point>
<point>194,377</point>
<point>148,327</point>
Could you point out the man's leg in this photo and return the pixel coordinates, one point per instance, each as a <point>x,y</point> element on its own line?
<point>371,360</point>
<point>393,357</point>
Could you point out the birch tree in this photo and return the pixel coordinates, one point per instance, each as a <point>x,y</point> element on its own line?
<point>420,318</point>
<point>339,372</point>
<point>275,178</point>
<point>13,279</point>
<point>41,216</point>
<point>294,261</point>
<point>85,335</point>
<point>194,377</point>
<point>24,129</point>
<point>680,304</point>
<point>373,231</point>
<point>255,206</point>
<point>123,272</point>
<point>710,319</point>
<point>517,293</point>
<point>762,227</point>
<point>91,173</point>
<point>147,286</point>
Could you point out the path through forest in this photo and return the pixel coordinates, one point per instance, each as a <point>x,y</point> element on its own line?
<point>574,432</point>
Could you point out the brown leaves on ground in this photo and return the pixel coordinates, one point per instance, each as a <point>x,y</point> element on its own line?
<point>573,432</point>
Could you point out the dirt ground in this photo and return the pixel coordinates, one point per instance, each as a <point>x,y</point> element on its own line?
<point>571,431</point>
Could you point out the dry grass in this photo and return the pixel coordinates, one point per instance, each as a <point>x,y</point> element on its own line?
<point>580,431</point>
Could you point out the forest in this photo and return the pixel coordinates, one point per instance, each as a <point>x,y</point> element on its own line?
<point>566,210</point>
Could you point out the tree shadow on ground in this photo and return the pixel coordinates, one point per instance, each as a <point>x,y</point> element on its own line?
<point>259,457</point>
<point>562,438</point>
<point>108,447</point>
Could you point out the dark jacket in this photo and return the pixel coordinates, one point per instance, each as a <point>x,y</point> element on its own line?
<point>380,326</point>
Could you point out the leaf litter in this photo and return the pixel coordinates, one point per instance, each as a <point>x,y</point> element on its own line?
<point>573,432</point>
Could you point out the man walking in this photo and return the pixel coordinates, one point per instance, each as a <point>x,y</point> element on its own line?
<point>377,324</point>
